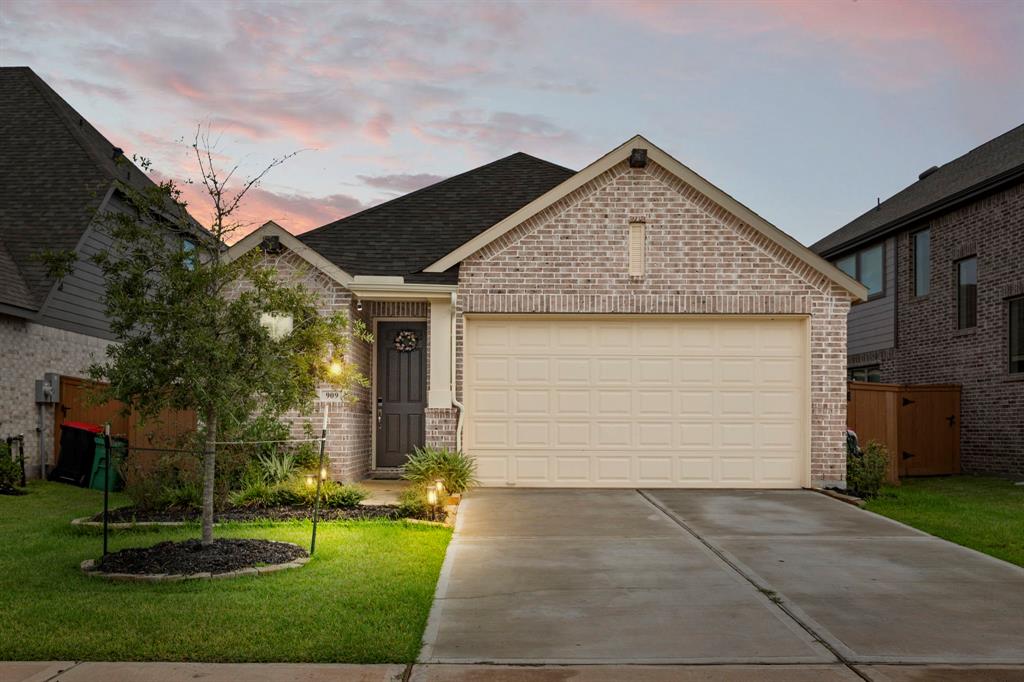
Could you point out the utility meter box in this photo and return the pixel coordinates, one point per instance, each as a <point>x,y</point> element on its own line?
<point>48,389</point>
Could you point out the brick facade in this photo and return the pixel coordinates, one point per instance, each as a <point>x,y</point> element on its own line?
<point>348,429</point>
<point>571,258</point>
<point>930,348</point>
<point>29,350</point>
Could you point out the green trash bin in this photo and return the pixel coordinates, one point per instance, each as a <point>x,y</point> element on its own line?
<point>99,464</point>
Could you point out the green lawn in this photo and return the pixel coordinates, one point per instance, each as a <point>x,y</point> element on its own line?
<point>986,514</point>
<point>363,598</point>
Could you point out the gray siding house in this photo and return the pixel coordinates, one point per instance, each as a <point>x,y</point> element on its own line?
<point>57,172</point>
<point>943,261</point>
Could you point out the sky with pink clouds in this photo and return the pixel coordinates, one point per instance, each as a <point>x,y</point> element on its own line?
<point>804,111</point>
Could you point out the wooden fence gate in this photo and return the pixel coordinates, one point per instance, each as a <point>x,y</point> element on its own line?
<point>76,405</point>
<point>919,425</point>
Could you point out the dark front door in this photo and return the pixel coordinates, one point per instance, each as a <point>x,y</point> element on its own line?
<point>401,390</point>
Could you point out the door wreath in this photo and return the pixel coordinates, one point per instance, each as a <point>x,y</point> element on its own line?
<point>406,341</point>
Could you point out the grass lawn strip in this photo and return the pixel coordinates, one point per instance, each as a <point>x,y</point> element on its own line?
<point>983,513</point>
<point>364,597</point>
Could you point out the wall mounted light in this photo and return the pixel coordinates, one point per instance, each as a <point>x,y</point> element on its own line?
<point>359,305</point>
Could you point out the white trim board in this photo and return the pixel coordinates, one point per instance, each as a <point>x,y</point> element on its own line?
<point>272,229</point>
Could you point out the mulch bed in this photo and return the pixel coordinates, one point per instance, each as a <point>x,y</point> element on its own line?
<point>190,557</point>
<point>362,512</point>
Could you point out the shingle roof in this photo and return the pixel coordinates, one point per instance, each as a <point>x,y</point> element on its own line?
<point>998,160</point>
<point>405,235</point>
<point>55,171</point>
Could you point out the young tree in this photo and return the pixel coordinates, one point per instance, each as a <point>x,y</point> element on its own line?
<point>188,321</point>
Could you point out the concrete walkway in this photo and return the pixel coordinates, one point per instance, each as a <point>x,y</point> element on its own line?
<point>303,672</point>
<point>685,577</point>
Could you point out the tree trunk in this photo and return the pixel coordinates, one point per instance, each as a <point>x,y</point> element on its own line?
<point>209,471</point>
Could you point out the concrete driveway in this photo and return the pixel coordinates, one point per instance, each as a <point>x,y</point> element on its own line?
<point>684,576</point>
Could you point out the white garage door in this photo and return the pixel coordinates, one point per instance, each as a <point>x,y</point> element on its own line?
<point>638,401</point>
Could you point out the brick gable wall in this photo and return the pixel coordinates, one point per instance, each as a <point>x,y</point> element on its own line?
<point>572,258</point>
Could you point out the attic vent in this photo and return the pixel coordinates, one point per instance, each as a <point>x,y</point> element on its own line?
<point>271,244</point>
<point>925,173</point>
<point>637,237</point>
<point>638,158</point>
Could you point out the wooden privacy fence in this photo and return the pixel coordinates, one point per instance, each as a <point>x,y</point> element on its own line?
<point>76,406</point>
<point>919,425</point>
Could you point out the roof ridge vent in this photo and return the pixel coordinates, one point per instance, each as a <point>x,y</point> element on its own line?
<point>925,173</point>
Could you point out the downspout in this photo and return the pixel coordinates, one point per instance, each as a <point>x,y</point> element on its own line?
<point>455,401</point>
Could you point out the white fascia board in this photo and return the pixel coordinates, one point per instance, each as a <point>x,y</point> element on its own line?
<point>272,229</point>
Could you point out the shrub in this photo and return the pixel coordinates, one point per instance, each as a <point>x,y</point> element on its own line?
<point>295,492</point>
<point>155,482</point>
<point>333,495</point>
<point>455,469</point>
<point>865,472</point>
<point>276,467</point>
<point>413,502</point>
<point>254,494</point>
<point>10,471</point>
<point>185,495</point>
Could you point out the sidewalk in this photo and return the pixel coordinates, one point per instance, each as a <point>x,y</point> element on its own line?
<point>308,672</point>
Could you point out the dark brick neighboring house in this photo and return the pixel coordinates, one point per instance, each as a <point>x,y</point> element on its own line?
<point>944,262</point>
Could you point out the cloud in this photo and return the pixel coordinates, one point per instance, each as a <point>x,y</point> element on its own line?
<point>498,132</point>
<point>886,45</point>
<point>293,211</point>
<point>401,182</point>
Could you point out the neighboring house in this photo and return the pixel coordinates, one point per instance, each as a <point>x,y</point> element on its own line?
<point>56,173</point>
<point>628,324</point>
<point>943,261</point>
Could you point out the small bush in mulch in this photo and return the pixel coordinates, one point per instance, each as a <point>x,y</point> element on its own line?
<point>190,557</point>
<point>361,513</point>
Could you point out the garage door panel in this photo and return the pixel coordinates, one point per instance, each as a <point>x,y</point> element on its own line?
<point>490,370</point>
<point>614,371</point>
<point>532,402</point>
<point>696,435</point>
<point>700,402</point>
<point>653,371</point>
<point>569,469</point>
<point>652,403</point>
<point>614,469</point>
<point>779,404</point>
<point>489,402</point>
<point>611,403</point>
<point>613,434</point>
<point>655,435</point>
<point>572,371</point>
<point>531,434</point>
<point>780,371</point>
<point>696,403</point>
<point>695,372</point>
<point>735,371</point>
<point>696,470</point>
<point>572,434</point>
<point>531,370</point>
<point>654,470</point>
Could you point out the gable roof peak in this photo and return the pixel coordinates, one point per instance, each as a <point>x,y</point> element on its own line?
<point>673,166</point>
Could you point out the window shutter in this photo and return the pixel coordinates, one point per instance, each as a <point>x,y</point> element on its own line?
<point>636,249</point>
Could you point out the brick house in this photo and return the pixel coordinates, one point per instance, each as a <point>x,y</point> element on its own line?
<point>944,264</point>
<point>627,324</point>
<point>57,172</point>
